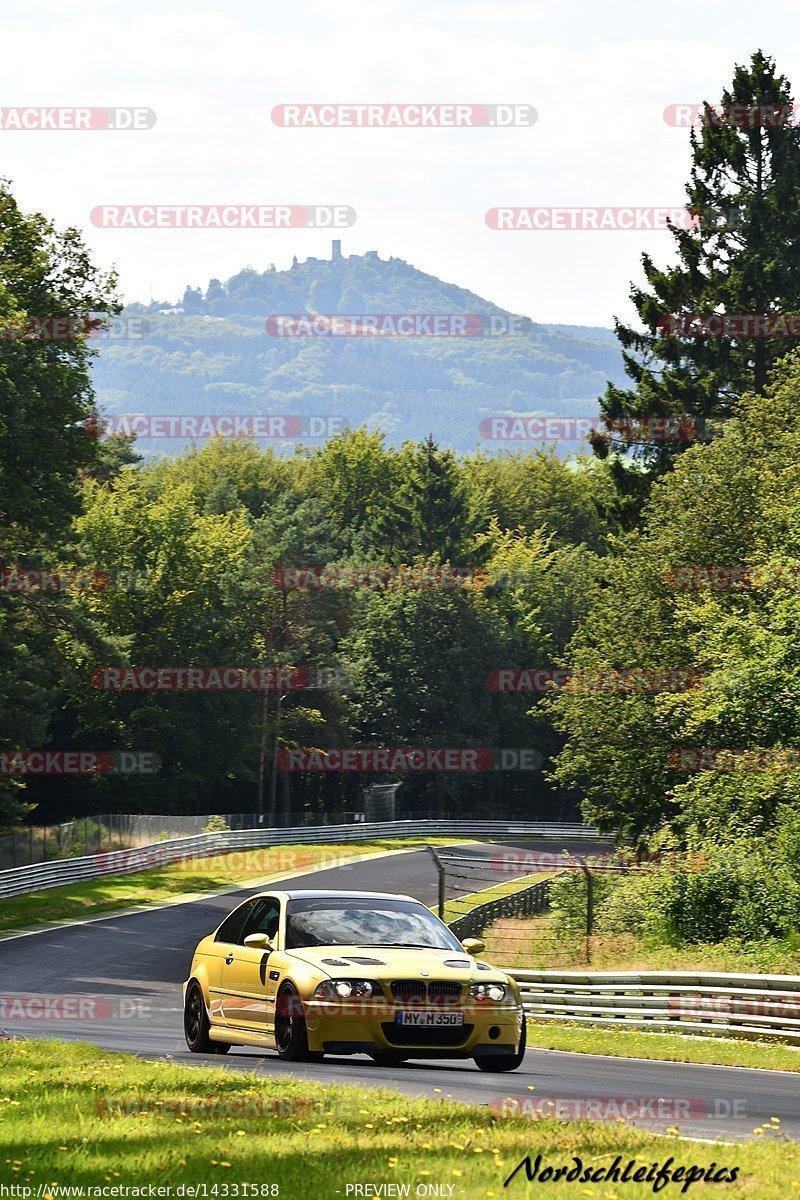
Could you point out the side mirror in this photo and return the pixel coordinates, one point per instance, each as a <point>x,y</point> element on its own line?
<point>473,945</point>
<point>258,941</point>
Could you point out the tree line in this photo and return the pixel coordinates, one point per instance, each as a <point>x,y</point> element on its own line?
<point>673,559</point>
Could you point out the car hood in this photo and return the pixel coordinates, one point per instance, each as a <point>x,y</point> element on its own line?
<point>385,962</point>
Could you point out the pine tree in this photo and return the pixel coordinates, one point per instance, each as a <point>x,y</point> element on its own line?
<point>429,514</point>
<point>742,257</point>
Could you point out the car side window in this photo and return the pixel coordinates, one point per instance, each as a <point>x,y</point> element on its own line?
<point>231,928</point>
<point>264,917</point>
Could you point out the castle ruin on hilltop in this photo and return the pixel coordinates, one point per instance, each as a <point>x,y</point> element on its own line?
<point>336,256</point>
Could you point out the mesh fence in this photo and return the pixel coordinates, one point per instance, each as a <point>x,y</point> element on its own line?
<point>109,831</point>
<point>497,898</point>
<point>122,831</point>
<point>532,909</point>
<point>472,877</point>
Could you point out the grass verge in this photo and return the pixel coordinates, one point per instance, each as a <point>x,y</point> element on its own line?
<point>74,1115</point>
<point>670,1047</point>
<point>541,943</point>
<point>454,909</point>
<point>195,875</point>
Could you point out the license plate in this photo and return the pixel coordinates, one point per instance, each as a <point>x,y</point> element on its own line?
<point>427,1019</point>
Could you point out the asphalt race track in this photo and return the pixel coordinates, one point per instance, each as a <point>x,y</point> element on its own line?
<point>129,970</point>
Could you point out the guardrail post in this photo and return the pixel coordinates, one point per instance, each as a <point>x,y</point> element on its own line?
<point>440,869</point>
<point>589,907</point>
<point>589,914</point>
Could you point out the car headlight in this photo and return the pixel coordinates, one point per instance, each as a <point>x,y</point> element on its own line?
<point>493,992</point>
<point>346,989</point>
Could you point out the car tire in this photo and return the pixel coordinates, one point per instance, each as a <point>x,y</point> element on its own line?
<point>291,1036</point>
<point>503,1062</point>
<point>388,1059</point>
<point>196,1026</point>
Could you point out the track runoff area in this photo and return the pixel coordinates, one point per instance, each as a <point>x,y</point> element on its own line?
<point>116,982</point>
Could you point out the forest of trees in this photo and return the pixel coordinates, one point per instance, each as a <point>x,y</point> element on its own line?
<point>671,561</point>
<point>192,557</point>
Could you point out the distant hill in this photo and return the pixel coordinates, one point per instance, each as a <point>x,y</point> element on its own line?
<point>210,353</point>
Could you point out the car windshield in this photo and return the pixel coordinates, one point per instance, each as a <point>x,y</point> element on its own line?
<point>353,921</point>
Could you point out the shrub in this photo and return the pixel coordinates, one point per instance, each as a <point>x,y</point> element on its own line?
<point>216,825</point>
<point>744,891</point>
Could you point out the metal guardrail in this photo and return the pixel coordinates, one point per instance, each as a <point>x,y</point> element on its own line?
<point>709,1003</point>
<point>39,876</point>
<point>527,902</point>
<point>88,835</point>
<point>751,1006</point>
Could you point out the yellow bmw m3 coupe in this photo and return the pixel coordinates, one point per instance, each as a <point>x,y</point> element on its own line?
<point>309,973</point>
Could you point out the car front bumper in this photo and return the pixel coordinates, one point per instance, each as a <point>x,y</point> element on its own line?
<point>373,1027</point>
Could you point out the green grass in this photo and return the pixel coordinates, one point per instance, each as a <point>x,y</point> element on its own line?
<point>537,944</point>
<point>541,943</point>
<point>671,1047</point>
<point>57,1126</point>
<point>194,876</point>
<point>203,875</point>
<point>454,909</point>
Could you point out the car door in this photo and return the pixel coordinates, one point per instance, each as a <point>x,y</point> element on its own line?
<point>249,1000</point>
<point>220,958</point>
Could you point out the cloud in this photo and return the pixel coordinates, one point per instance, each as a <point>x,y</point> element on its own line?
<point>213,78</point>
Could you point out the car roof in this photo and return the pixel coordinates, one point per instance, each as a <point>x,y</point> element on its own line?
<point>331,893</point>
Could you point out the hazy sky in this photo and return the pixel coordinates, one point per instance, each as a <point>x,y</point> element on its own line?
<point>599,75</point>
